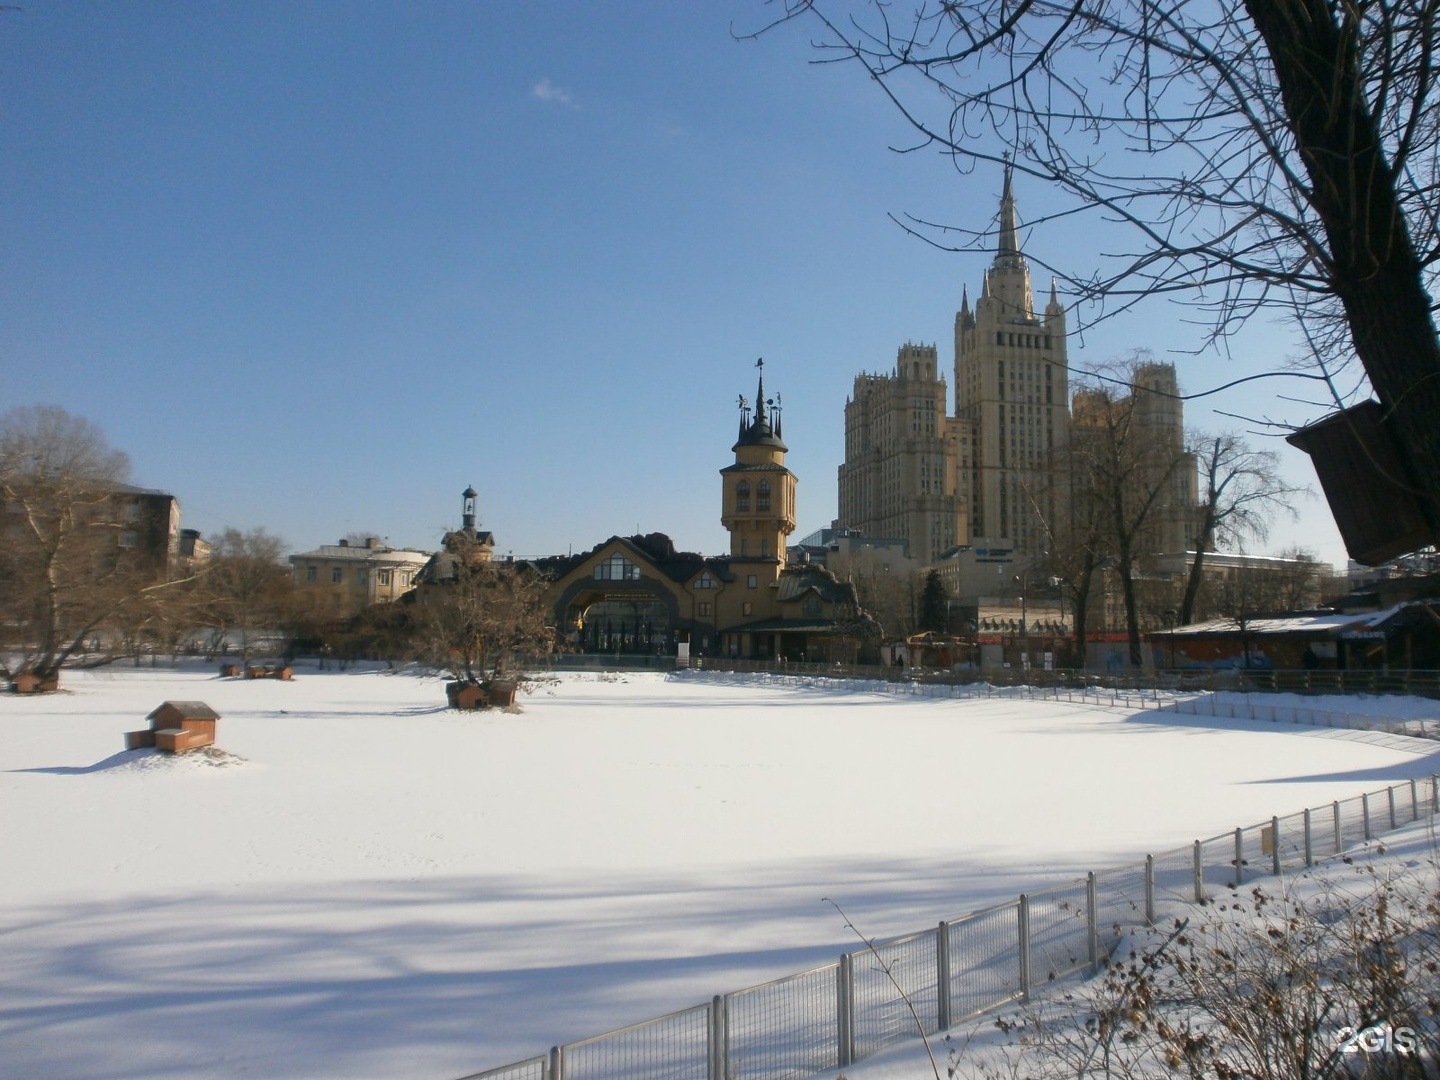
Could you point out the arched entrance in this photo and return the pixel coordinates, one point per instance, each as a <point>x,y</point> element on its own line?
<point>631,624</point>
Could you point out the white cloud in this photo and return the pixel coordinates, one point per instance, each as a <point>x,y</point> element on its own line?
<point>545,90</point>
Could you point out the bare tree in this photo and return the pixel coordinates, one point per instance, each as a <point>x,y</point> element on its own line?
<point>1073,520</point>
<point>1132,472</point>
<point>64,573</point>
<point>248,588</point>
<point>1240,488</point>
<point>1270,154</point>
<point>480,619</point>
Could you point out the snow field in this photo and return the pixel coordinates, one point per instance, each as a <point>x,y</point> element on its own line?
<point>376,886</point>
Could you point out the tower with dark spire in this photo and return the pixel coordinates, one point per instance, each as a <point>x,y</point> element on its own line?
<point>758,491</point>
<point>1012,387</point>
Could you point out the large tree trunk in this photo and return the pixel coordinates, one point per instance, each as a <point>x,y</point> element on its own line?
<point>1203,543</point>
<point>1375,270</point>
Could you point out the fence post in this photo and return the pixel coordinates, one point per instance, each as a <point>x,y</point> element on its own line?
<point>1309,849</point>
<point>1365,810</point>
<point>1149,890</point>
<point>1092,916</point>
<point>719,1063</point>
<point>1339,843</point>
<point>845,1010</point>
<point>1390,792</point>
<point>1435,794</point>
<point>1239,856</point>
<point>942,976</point>
<point>1414,801</point>
<point>1275,846</point>
<point>1198,868</point>
<point>557,1063</point>
<point>1023,910</point>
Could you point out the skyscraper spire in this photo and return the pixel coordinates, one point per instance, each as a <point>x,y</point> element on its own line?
<point>1009,246</point>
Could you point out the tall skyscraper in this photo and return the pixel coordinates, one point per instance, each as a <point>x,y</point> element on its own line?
<point>906,461</point>
<point>1012,387</point>
<point>993,472</point>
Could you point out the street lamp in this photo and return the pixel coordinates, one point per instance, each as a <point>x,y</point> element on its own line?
<point>1024,624</point>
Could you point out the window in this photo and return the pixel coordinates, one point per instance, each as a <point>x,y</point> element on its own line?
<point>309,573</point>
<point>617,568</point>
<point>750,582</point>
<point>705,581</point>
<point>742,495</point>
<point>747,608</point>
<point>762,495</point>
<point>382,577</point>
<point>132,511</point>
<point>360,577</point>
<point>405,579</point>
<point>337,575</point>
<point>129,539</point>
<point>705,607</point>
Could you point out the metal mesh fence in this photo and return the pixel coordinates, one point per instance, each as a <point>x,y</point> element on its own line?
<point>1217,865</point>
<point>536,1068</point>
<point>1290,840</point>
<point>1059,932</point>
<point>1175,875</point>
<point>787,1028</point>
<point>671,1047</point>
<point>1255,857</point>
<point>1354,820</point>
<point>905,968</point>
<point>984,960</point>
<point>1120,903</point>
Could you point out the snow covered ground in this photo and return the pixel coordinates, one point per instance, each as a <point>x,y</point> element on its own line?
<point>370,885</point>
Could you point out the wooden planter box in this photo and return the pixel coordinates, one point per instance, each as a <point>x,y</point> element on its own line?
<point>468,696</point>
<point>501,694</point>
<point>27,683</point>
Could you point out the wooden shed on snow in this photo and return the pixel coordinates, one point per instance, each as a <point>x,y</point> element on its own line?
<point>176,726</point>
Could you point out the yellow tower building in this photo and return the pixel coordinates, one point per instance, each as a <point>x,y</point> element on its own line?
<point>758,491</point>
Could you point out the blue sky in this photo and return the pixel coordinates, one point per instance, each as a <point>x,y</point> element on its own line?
<point>319,266</point>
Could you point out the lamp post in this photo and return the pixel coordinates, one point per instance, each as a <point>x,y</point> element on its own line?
<point>1024,624</point>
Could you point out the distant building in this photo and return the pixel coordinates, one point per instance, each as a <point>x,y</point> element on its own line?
<point>1012,390</point>
<point>638,594</point>
<point>907,463</point>
<point>467,543</point>
<point>358,575</point>
<point>940,479</point>
<point>147,526</point>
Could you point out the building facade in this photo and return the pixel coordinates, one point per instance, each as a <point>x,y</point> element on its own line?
<point>906,460</point>
<point>1012,389</point>
<point>942,479</point>
<point>354,576</point>
<point>638,594</point>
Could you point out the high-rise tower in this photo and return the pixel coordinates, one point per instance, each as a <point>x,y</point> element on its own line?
<point>905,460</point>
<point>1011,387</point>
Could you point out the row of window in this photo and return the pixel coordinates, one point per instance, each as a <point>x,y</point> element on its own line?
<point>382,577</point>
